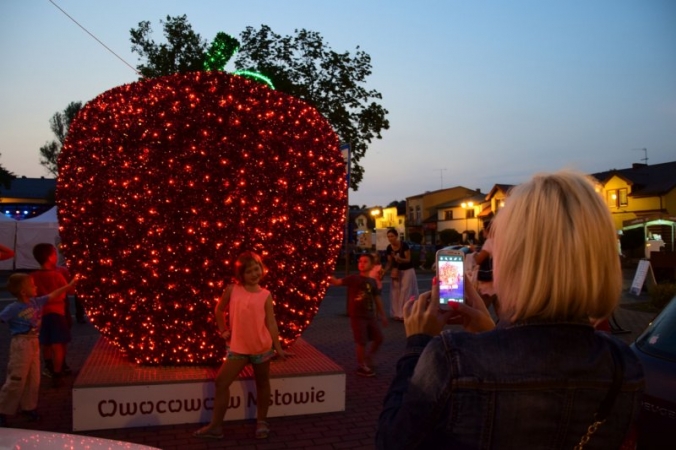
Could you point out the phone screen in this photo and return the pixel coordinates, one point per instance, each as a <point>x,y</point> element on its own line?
<point>450,276</point>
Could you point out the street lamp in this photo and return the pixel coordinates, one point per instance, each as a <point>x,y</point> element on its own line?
<point>375,213</point>
<point>467,206</point>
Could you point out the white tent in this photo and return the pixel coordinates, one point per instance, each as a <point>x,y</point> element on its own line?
<point>29,232</point>
<point>7,236</point>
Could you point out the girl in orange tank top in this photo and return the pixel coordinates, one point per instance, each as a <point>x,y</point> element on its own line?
<point>252,336</point>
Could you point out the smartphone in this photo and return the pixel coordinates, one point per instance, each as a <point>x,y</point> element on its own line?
<point>450,277</point>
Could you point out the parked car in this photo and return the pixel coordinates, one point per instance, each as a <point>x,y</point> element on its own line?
<point>656,348</point>
<point>15,439</point>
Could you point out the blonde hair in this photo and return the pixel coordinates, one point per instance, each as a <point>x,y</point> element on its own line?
<point>16,282</point>
<point>555,253</point>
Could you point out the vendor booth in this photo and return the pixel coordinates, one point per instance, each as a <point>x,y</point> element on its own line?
<point>7,238</point>
<point>658,229</point>
<point>43,228</point>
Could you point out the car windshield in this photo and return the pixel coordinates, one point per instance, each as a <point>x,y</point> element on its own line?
<point>659,339</point>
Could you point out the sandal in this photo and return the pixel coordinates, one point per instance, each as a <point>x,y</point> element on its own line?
<point>262,429</point>
<point>206,433</point>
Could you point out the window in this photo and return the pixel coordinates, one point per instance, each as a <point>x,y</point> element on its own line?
<point>623,197</point>
<point>360,223</point>
<point>448,215</point>
<point>417,214</point>
<point>612,198</point>
<point>469,213</point>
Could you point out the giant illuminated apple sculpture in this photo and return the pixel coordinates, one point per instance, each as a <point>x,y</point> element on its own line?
<point>163,182</point>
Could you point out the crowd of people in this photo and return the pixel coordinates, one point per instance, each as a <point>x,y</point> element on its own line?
<point>535,373</point>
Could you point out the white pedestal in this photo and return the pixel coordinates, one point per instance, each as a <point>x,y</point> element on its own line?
<point>111,392</point>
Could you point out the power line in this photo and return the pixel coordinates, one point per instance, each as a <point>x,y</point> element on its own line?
<point>97,39</point>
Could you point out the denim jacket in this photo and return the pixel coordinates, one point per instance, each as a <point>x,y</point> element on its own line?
<point>531,385</point>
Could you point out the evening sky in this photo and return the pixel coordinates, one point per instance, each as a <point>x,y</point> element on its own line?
<point>478,92</point>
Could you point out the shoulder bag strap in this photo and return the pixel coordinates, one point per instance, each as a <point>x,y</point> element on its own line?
<point>607,403</point>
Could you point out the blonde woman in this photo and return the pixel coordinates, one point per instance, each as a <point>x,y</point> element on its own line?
<point>543,376</point>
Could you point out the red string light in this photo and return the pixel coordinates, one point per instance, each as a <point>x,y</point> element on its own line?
<point>163,182</point>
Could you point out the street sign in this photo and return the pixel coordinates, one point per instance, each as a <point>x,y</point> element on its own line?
<point>644,272</point>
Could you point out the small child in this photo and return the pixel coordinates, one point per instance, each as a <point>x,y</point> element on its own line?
<point>252,337</point>
<point>57,321</point>
<point>364,307</point>
<point>23,369</point>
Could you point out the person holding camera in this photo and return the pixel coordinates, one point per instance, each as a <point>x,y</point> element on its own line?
<point>543,377</point>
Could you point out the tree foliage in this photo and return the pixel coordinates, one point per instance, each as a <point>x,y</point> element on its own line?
<point>59,124</point>
<point>302,65</point>
<point>6,176</point>
<point>184,51</point>
<point>450,236</point>
<point>307,68</point>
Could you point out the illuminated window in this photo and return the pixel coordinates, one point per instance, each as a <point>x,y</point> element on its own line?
<point>623,197</point>
<point>612,198</point>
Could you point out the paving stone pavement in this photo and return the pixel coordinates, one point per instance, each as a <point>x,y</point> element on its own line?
<point>330,333</point>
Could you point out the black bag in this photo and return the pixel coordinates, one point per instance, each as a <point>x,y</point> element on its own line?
<point>485,270</point>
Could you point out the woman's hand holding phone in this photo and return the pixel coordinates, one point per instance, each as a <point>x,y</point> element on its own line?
<point>474,314</point>
<point>423,316</point>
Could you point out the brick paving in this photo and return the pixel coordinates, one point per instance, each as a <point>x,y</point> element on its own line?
<point>330,333</point>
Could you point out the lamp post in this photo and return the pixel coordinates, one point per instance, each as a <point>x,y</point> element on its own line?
<point>467,206</point>
<point>375,213</point>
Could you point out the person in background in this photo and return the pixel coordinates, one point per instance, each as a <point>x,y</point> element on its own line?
<point>404,281</point>
<point>252,337</point>
<point>543,378</point>
<point>6,253</point>
<point>23,369</point>
<point>56,321</point>
<point>365,307</point>
<point>377,270</point>
<point>483,266</point>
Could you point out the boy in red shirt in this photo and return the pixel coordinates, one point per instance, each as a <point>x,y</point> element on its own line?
<point>365,307</point>
<point>56,319</point>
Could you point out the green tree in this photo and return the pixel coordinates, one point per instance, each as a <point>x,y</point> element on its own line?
<point>184,51</point>
<point>301,65</point>
<point>450,236</point>
<point>6,176</point>
<point>307,68</point>
<point>59,124</point>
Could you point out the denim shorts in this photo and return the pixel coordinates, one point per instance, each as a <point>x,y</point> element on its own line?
<point>253,359</point>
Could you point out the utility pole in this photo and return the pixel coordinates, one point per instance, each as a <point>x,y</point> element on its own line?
<point>645,154</point>
<point>441,176</point>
